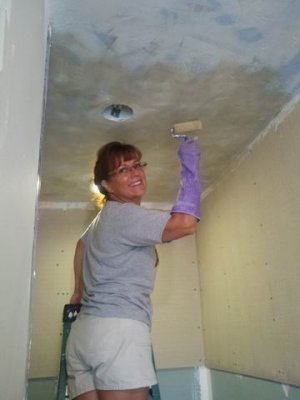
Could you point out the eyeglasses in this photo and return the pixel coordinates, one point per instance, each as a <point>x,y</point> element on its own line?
<point>126,169</point>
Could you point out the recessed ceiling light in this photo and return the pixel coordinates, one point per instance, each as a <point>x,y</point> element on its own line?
<point>118,112</point>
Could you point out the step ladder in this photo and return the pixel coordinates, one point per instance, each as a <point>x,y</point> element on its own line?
<point>70,313</point>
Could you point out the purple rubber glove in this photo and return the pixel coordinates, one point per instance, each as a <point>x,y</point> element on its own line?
<point>188,198</point>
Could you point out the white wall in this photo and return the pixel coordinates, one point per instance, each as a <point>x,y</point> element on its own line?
<point>58,232</point>
<point>249,256</point>
<point>22,64</point>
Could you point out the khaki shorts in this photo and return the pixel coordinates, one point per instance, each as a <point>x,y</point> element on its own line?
<point>108,354</point>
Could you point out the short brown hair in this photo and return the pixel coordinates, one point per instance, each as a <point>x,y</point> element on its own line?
<point>109,158</point>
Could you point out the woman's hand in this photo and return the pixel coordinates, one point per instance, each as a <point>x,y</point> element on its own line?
<point>76,297</point>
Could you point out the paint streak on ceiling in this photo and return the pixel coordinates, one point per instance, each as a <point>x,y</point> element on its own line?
<point>234,64</point>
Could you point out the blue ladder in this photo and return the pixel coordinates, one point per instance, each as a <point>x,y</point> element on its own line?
<point>70,313</point>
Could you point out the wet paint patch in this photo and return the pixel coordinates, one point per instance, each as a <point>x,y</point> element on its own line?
<point>225,19</point>
<point>169,15</point>
<point>249,35</point>
<point>106,38</point>
<point>292,67</point>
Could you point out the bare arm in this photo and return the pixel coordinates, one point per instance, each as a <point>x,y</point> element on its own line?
<point>78,263</point>
<point>179,225</point>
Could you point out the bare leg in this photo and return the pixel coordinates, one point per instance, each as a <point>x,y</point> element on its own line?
<point>132,394</point>
<point>92,395</point>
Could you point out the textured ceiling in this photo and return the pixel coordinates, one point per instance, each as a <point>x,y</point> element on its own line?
<point>234,64</point>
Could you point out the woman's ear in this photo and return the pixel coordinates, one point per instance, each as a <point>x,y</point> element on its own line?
<point>105,185</point>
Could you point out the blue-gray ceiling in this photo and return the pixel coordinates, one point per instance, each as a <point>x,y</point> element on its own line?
<point>234,64</point>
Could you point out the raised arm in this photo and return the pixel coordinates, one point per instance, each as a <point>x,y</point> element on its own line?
<point>78,264</point>
<point>186,211</point>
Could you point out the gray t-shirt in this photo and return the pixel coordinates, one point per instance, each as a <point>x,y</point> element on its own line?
<point>119,263</point>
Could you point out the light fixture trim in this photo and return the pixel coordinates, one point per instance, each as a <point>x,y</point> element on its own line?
<point>118,112</point>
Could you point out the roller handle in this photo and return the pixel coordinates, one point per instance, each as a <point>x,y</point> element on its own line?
<point>180,130</point>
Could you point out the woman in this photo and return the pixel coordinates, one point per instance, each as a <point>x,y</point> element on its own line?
<point>109,347</point>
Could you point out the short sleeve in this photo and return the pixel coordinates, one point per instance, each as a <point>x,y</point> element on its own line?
<point>137,226</point>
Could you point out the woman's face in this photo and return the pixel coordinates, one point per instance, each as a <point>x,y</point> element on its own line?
<point>127,183</point>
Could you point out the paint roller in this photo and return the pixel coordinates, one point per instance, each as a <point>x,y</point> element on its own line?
<point>183,129</point>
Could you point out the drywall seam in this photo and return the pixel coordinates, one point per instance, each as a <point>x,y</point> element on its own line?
<point>64,205</point>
